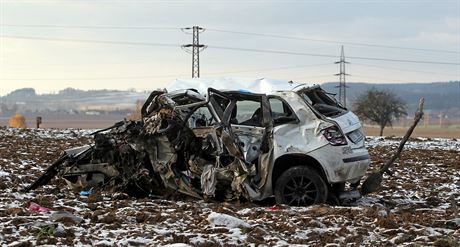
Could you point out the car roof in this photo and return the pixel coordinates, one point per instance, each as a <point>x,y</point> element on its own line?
<point>250,85</point>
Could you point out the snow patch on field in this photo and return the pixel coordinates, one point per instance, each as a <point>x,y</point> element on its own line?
<point>217,219</point>
<point>4,174</point>
<point>414,143</point>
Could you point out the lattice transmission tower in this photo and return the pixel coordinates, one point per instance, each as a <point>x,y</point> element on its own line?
<point>342,82</point>
<point>195,48</point>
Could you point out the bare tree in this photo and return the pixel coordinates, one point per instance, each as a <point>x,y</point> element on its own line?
<point>379,106</point>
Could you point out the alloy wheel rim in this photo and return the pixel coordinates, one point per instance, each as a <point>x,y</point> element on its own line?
<point>300,191</point>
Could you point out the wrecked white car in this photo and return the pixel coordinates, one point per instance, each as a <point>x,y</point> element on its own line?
<point>271,138</point>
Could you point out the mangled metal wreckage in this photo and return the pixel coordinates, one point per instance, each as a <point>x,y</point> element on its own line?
<point>299,146</point>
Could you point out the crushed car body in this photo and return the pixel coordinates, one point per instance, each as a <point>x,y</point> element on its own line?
<point>227,138</point>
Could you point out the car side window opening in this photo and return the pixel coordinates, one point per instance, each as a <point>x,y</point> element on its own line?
<point>247,112</point>
<point>281,113</point>
<point>323,103</point>
<point>319,97</point>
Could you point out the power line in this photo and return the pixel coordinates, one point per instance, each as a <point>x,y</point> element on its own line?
<point>381,78</point>
<point>90,27</point>
<point>165,1</point>
<point>90,41</point>
<point>154,76</point>
<point>310,77</point>
<point>232,32</point>
<point>404,61</point>
<point>178,76</point>
<point>90,79</point>
<point>330,56</point>
<point>387,79</point>
<point>270,69</point>
<point>332,41</point>
<point>408,70</point>
<point>271,51</point>
<point>232,48</point>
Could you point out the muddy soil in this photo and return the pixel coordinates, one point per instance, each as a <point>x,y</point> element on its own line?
<point>414,207</point>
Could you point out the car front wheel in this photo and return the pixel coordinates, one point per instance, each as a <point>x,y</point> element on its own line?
<point>300,186</point>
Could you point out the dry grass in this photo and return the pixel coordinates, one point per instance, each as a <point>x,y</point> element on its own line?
<point>418,132</point>
<point>17,121</point>
<point>78,122</point>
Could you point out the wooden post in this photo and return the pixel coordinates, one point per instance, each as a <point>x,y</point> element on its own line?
<point>374,180</point>
<point>426,119</point>
<point>441,118</point>
<point>39,121</point>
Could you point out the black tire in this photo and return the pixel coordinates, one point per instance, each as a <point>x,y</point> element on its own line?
<point>300,186</point>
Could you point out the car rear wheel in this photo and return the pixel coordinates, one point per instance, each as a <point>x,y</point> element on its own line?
<point>300,186</point>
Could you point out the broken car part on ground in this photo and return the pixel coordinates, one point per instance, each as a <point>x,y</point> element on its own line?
<point>274,138</point>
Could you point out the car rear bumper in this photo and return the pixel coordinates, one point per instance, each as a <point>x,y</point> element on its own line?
<point>342,164</point>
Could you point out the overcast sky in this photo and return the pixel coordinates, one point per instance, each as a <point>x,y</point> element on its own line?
<point>432,27</point>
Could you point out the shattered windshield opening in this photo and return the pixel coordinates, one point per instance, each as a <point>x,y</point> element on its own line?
<point>186,97</point>
<point>322,102</point>
<point>201,117</point>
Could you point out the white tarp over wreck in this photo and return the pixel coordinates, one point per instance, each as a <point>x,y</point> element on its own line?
<point>252,85</point>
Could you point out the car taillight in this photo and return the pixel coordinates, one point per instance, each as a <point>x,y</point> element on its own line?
<point>334,136</point>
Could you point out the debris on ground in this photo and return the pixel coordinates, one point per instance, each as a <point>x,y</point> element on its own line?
<point>64,216</point>
<point>86,192</point>
<point>37,208</point>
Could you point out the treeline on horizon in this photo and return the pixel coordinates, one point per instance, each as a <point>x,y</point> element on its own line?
<point>439,96</point>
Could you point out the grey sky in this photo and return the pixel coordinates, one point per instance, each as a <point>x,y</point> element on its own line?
<point>54,65</point>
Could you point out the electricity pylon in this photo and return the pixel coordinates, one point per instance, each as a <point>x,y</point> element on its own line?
<point>342,82</point>
<point>196,47</point>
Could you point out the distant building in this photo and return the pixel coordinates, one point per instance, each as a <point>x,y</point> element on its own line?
<point>92,113</point>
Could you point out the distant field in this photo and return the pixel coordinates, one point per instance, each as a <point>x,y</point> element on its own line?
<point>99,122</point>
<point>451,132</point>
<point>78,122</point>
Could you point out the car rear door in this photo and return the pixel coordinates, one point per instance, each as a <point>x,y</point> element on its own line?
<point>248,117</point>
